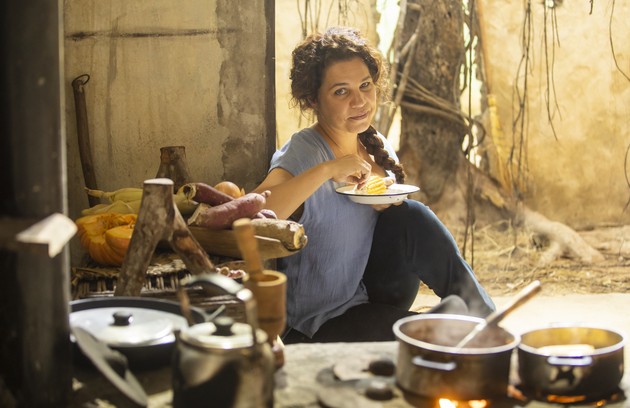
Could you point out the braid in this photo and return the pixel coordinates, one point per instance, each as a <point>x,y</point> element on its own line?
<point>374,146</point>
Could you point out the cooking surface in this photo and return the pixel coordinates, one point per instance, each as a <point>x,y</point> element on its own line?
<point>308,379</point>
<point>307,376</point>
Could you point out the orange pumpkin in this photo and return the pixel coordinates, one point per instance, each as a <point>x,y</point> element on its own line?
<point>106,236</point>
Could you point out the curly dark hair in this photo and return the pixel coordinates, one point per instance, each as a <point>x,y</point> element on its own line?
<point>316,53</point>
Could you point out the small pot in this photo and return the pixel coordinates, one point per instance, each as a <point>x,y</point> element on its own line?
<point>142,329</point>
<point>571,361</point>
<point>429,364</point>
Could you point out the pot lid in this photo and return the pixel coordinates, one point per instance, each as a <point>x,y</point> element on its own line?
<point>222,333</point>
<point>128,326</point>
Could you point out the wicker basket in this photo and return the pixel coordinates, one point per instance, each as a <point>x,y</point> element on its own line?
<point>161,281</point>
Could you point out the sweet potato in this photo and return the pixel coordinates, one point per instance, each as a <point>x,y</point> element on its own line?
<point>290,233</point>
<point>223,215</point>
<point>266,213</point>
<point>206,194</point>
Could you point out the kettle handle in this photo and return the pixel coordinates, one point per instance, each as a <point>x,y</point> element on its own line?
<point>225,285</point>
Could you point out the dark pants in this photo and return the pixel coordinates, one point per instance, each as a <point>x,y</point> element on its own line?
<point>410,246</point>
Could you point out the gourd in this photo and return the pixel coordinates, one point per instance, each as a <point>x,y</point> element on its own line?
<point>106,236</point>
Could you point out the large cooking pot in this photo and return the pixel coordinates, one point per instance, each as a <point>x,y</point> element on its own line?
<point>142,329</point>
<point>430,365</point>
<point>571,360</point>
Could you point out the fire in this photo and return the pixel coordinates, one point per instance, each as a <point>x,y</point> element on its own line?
<point>448,403</point>
<point>563,399</point>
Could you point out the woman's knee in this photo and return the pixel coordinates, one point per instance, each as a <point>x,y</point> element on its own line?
<point>410,213</point>
<point>421,227</point>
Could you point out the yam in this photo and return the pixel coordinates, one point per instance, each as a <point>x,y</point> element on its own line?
<point>266,213</point>
<point>290,233</point>
<point>222,216</point>
<point>206,194</point>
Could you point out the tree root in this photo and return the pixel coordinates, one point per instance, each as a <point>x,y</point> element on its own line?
<point>559,239</point>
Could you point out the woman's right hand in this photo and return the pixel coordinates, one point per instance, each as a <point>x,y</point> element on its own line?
<point>350,169</point>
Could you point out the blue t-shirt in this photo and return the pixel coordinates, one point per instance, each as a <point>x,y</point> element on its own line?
<point>324,278</point>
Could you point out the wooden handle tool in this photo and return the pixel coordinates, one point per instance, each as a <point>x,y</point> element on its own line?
<point>247,244</point>
<point>495,317</point>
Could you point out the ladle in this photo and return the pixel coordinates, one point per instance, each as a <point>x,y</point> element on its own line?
<point>495,317</point>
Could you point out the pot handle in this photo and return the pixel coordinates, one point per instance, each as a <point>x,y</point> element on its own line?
<point>225,285</point>
<point>434,365</point>
<point>581,361</point>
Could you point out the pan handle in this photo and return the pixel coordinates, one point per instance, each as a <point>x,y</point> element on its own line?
<point>578,361</point>
<point>433,365</point>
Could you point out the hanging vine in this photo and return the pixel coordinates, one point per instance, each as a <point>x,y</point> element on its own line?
<point>626,161</point>
<point>551,38</point>
<point>517,157</point>
<point>612,46</point>
<point>310,12</point>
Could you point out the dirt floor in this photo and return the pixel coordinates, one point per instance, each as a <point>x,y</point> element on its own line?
<point>505,260</point>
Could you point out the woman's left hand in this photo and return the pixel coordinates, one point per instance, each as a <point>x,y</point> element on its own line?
<point>382,207</point>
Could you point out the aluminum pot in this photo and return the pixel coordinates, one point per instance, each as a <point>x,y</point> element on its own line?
<point>571,360</point>
<point>142,329</point>
<point>429,364</point>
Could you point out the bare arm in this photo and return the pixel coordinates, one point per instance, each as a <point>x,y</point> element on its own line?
<point>288,192</point>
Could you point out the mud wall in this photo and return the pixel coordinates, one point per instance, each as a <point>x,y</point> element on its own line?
<point>576,176</point>
<point>187,73</point>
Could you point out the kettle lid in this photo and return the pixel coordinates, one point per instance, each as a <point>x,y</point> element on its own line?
<point>222,333</point>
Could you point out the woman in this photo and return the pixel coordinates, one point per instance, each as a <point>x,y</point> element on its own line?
<point>362,266</point>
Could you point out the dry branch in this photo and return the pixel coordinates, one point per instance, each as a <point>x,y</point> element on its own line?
<point>158,220</point>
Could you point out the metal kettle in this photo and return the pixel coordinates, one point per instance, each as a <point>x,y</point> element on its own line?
<point>223,363</point>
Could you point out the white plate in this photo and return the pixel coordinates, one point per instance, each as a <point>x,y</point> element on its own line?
<point>393,194</point>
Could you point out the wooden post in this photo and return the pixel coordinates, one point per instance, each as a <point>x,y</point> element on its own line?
<point>158,220</point>
<point>173,165</point>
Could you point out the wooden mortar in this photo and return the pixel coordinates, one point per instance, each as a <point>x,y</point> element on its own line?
<point>268,286</point>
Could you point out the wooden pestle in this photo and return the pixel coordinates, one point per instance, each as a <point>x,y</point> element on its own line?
<point>246,241</point>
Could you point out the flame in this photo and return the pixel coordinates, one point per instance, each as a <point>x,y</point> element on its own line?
<point>448,403</point>
<point>566,399</point>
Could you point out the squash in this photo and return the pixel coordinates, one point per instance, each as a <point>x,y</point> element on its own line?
<point>106,236</point>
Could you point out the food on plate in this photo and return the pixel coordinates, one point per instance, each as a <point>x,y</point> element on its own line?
<point>374,185</point>
<point>106,236</point>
